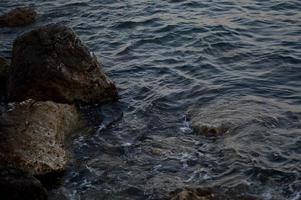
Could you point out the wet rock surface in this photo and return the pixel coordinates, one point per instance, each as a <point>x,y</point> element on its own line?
<point>32,135</point>
<point>18,185</point>
<point>51,63</point>
<point>18,17</point>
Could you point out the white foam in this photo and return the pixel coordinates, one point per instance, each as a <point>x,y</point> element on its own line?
<point>186,128</point>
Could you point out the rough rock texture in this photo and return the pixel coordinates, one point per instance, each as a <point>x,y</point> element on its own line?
<point>225,116</point>
<point>4,67</point>
<point>18,17</point>
<point>51,63</point>
<point>32,135</point>
<point>205,194</point>
<point>18,185</point>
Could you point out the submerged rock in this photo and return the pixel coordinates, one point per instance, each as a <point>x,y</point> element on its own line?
<point>205,194</point>
<point>18,185</point>
<point>51,63</point>
<point>18,17</point>
<point>228,115</point>
<point>32,135</point>
<point>4,68</point>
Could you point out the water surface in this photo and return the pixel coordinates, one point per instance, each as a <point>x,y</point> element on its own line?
<point>168,57</point>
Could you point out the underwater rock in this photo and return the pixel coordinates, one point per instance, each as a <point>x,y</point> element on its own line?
<point>4,68</point>
<point>18,17</point>
<point>163,183</point>
<point>52,63</point>
<point>32,135</point>
<point>228,115</point>
<point>18,185</point>
<point>205,194</point>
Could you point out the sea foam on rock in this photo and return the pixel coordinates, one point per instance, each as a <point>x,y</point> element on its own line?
<point>32,135</point>
<point>52,63</point>
<point>18,17</point>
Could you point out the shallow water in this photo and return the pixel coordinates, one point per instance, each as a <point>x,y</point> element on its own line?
<point>168,57</point>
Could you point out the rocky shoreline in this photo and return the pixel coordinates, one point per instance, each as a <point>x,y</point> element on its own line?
<point>51,72</point>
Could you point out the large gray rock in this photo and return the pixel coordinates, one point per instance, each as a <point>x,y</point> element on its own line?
<point>18,185</point>
<point>18,17</point>
<point>51,63</point>
<point>32,135</point>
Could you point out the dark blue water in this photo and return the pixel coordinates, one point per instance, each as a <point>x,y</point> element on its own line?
<point>232,60</point>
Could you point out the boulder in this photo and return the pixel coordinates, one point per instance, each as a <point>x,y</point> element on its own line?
<point>18,185</point>
<point>51,63</point>
<point>18,17</point>
<point>32,135</point>
<point>4,68</point>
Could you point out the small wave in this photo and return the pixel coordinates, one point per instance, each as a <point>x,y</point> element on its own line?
<point>283,6</point>
<point>194,4</point>
<point>133,24</point>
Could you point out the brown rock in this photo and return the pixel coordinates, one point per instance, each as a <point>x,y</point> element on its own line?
<point>51,63</point>
<point>18,17</point>
<point>32,135</point>
<point>193,194</point>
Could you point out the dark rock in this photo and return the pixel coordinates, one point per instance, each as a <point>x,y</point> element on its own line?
<point>51,63</point>
<point>51,180</point>
<point>32,135</point>
<point>18,17</point>
<point>4,68</point>
<point>18,185</point>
